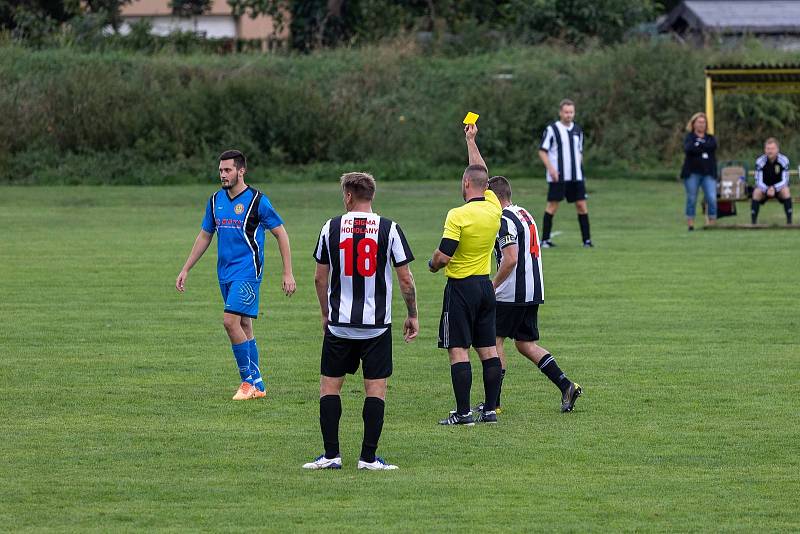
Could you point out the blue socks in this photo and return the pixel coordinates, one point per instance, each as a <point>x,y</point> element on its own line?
<point>242,354</point>
<point>246,355</point>
<point>255,371</point>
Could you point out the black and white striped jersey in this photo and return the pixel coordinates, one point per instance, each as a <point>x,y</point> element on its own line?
<point>772,173</point>
<point>358,247</point>
<point>564,147</point>
<point>525,284</point>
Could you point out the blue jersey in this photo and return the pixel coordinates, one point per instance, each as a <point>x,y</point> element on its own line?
<point>240,223</point>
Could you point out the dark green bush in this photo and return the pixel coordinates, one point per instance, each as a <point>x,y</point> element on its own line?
<point>163,118</point>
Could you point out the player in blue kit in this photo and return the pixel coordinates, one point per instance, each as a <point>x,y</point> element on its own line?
<point>240,215</point>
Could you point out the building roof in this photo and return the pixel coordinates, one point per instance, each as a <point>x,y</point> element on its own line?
<point>735,16</point>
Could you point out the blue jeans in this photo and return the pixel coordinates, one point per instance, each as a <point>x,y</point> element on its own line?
<point>693,184</point>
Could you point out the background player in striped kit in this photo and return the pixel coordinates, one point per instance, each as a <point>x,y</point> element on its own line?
<point>772,180</point>
<point>354,288</point>
<point>561,151</point>
<point>519,289</point>
<point>240,215</point>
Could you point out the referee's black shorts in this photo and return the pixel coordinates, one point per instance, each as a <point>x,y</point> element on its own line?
<point>468,310</point>
<point>341,356</point>
<point>573,190</point>
<point>516,322</point>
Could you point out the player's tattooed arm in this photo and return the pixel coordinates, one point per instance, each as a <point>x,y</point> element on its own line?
<point>409,291</point>
<point>321,285</point>
<point>410,297</point>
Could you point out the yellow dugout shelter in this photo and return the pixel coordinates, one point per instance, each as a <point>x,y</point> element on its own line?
<point>748,79</point>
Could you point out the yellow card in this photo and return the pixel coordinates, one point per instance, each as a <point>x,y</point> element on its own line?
<point>471,118</point>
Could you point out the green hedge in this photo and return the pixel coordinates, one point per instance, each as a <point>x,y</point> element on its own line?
<point>72,117</point>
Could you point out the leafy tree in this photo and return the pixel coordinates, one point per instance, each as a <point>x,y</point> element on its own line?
<point>111,9</point>
<point>54,11</point>
<point>574,21</point>
<point>321,23</point>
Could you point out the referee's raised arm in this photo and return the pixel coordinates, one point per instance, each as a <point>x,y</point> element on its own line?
<point>475,158</point>
<point>444,253</point>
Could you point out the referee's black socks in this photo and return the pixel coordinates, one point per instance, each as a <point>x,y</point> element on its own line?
<point>583,221</point>
<point>461,374</point>
<point>372,414</point>
<point>330,411</point>
<point>547,226</point>
<point>549,367</point>
<point>492,377</point>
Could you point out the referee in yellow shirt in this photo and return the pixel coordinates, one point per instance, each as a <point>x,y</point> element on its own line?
<point>468,307</point>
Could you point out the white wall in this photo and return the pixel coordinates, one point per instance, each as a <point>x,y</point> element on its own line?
<point>209,25</point>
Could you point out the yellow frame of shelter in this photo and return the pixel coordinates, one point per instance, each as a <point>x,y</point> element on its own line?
<point>748,79</point>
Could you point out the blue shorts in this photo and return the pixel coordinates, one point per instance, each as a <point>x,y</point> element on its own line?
<point>241,298</point>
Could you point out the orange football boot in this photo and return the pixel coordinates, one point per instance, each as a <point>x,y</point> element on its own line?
<point>246,391</point>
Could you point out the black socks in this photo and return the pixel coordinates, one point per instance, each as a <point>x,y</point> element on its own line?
<point>547,226</point>
<point>549,367</point>
<point>372,414</point>
<point>583,221</point>
<point>492,377</point>
<point>500,389</point>
<point>755,205</point>
<point>330,411</point>
<point>461,374</point>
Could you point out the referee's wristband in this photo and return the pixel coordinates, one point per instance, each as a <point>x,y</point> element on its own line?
<point>430,263</point>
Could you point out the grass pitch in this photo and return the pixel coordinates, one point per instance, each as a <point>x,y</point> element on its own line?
<point>115,409</point>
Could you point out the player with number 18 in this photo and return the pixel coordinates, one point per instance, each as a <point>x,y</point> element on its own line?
<point>355,253</point>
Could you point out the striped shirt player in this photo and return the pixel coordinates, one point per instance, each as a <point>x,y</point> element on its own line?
<point>772,180</point>
<point>361,249</point>
<point>524,285</point>
<point>468,303</point>
<point>519,289</point>
<point>561,152</point>
<point>240,216</point>
<point>355,254</point>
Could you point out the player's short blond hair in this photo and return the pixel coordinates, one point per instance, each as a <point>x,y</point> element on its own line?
<point>690,124</point>
<point>360,184</point>
<point>773,141</point>
<point>566,102</point>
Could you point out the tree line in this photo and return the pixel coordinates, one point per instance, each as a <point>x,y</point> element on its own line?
<point>316,24</point>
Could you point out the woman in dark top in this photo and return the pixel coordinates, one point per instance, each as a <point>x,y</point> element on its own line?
<point>699,168</point>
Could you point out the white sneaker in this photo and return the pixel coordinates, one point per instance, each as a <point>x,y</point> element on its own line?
<point>324,463</point>
<point>377,465</point>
